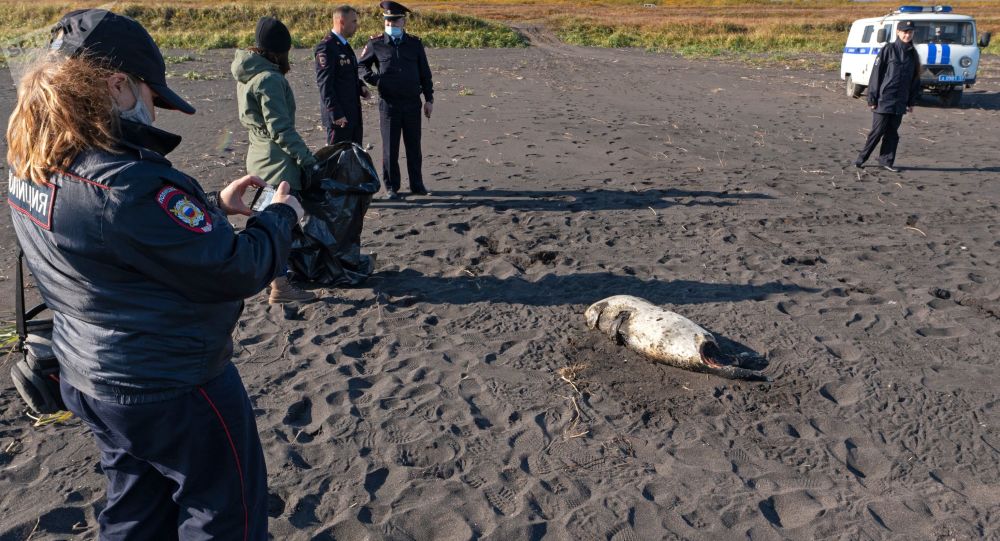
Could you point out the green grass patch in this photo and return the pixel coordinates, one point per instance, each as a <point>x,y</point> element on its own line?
<point>711,39</point>
<point>8,335</point>
<point>170,59</point>
<point>197,76</point>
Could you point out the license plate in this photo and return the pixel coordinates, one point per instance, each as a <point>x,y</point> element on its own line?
<point>951,78</point>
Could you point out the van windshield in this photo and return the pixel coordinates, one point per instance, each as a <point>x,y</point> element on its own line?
<point>957,32</point>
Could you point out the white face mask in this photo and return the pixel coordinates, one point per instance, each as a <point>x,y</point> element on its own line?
<point>139,112</point>
<point>394,31</point>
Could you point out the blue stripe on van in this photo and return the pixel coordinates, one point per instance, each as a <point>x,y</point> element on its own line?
<point>860,50</point>
<point>931,53</point>
<point>946,54</point>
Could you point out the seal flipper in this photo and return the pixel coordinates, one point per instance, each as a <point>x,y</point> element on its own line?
<point>709,355</point>
<point>616,327</point>
<point>735,372</point>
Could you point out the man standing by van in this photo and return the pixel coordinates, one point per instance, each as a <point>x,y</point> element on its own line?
<point>892,90</point>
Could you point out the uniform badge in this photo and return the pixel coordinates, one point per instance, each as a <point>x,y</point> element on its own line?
<point>33,200</point>
<point>321,59</point>
<point>344,61</point>
<point>179,206</point>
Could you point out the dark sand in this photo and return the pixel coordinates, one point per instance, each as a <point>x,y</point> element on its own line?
<point>427,404</point>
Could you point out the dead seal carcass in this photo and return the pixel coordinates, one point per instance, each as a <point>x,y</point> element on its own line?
<point>662,336</point>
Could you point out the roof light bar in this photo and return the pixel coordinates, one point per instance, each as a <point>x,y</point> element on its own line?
<point>924,9</point>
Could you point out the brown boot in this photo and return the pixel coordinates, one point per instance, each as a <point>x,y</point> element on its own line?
<point>282,291</point>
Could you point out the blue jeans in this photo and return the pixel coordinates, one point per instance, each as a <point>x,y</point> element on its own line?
<point>186,468</point>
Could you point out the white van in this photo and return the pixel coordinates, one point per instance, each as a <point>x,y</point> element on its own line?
<point>946,43</point>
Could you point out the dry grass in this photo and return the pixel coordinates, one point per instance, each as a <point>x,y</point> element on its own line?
<point>706,27</point>
<point>749,28</point>
<point>208,25</point>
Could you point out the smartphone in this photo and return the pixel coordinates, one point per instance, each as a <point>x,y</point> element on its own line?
<point>262,198</point>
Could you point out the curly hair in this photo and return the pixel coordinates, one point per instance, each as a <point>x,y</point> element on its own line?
<point>63,107</point>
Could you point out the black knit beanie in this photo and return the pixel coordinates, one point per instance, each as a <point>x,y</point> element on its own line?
<point>272,36</point>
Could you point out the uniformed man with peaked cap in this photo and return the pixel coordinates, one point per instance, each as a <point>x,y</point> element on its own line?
<point>395,62</point>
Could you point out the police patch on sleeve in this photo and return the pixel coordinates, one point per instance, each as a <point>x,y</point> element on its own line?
<point>321,59</point>
<point>183,210</point>
<point>33,200</point>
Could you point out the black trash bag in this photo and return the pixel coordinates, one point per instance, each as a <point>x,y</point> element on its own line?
<point>326,249</point>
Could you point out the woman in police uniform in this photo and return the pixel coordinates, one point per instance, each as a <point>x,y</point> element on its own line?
<point>145,278</point>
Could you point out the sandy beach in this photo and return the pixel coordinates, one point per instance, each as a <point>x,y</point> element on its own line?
<point>430,403</point>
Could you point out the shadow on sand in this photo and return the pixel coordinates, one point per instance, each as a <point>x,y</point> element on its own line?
<point>571,289</point>
<point>571,200</point>
<point>989,101</point>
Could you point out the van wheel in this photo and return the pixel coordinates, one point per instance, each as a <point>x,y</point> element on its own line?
<point>854,90</point>
<point>952,98</point>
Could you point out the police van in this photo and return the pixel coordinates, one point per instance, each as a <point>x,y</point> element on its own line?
<point>946,43</point>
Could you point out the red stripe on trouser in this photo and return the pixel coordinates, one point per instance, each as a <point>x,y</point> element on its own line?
<point>236,456</point>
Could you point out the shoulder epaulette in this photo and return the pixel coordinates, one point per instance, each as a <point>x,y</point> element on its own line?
<point>374,37</point>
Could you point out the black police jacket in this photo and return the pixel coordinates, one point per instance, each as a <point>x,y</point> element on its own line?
<point>894,84</point>
<point>338,81</point>
<point>400,72</point>
<point>145,278</point>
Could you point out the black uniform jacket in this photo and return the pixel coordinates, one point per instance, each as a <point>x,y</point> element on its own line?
<point>894,84</point>
<point>337,77</point>
<point>400,72</point>
<point>145,278</point>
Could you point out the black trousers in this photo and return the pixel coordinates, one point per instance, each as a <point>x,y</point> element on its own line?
<point>189,467</point>
<point>885,128</point>
<point>353,131</point>
<point>397,119</point>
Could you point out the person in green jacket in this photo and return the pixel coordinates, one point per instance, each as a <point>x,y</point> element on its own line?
<point>267,110</point>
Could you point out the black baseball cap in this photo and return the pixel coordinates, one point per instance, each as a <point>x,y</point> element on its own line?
<point>123,44</point>
<point>905,25</point>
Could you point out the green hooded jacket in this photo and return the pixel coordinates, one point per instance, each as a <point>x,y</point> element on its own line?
<point>267,109</point>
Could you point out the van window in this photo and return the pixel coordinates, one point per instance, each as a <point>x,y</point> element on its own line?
<point>889,34</point>
<point>867,36</point>
<point>956,32</point>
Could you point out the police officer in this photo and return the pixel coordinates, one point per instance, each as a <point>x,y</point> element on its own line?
<point>893,88</point>
<point>396,63</point>
<point>340,88</point>
<point>145,278</point>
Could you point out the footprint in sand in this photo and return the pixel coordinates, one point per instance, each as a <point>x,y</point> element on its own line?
<point>790,308</point>
<point>943,332</point>
<point>901,517</point>
<point>399,431</point>
<point>299,414</point>
<point>791,510</point>
<point>839,348</point>
<point>841,393</point>
<point>503,499</point>
<point>864,462</point>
